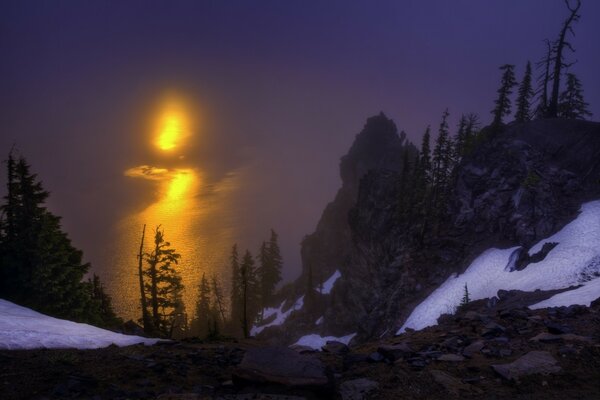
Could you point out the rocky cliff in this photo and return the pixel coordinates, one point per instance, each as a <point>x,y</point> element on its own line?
<point>518,186</point>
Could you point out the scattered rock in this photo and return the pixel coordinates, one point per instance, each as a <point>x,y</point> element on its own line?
<point>357,389</point>
<point>395,351</point>
<point>493,329</point>
<point>534,362</point>
<point>280,365</point>
<point>335,347</point>
<point>473,348</point>
<point>452,384</point>
<point>451,358</point>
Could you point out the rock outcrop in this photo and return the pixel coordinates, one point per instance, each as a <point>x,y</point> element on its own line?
<point>516,187</point>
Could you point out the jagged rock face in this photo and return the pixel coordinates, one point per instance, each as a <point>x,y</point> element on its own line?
<point>376,147</point>
<point>520,186</point>
<point>517,187</point>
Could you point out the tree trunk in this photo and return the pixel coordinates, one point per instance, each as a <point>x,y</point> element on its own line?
<point>558,61</point>
<point>145,318</point>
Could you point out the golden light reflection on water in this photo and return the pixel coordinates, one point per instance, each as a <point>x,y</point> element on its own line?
<point>196,218</point>
<point>198,225</point>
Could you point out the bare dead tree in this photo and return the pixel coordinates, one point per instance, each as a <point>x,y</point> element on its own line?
<point>559,57</point>
<point>145,316</point>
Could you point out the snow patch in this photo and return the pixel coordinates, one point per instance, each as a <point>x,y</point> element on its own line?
<point>316,342</point>
<point>328,284</point>
<point>319,321</point>
<point>583,295</point>
<point>22,328</point>
<point>574,261</point>
<point>280,316</point>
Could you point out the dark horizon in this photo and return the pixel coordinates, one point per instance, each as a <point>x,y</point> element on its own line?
<point>279,91</point>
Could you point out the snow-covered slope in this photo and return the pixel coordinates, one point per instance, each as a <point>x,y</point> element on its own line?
<point>280,316</point>
<point>22,328</point>
<point>574,261</point>
<point>329,283</point>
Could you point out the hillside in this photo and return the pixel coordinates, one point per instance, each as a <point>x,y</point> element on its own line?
<point>515,191</point>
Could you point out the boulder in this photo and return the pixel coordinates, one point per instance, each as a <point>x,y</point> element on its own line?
<point>357,389</point>
<point>280,365</point>
<point>395,351</point>
<point>534,362</point>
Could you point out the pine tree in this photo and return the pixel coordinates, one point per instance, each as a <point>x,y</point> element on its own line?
<point>236,289</point>
<point>249,291</point>
<point>218,299</point>
<point>39,267</point>
<point>503,103</point>
<point>525,94</point>
<point>572,105</point>
<point>466,298</point>
<point>269,270</point>
<point>441,156</point>
<point>202,317</point>
<point>543,80</point>
<point>163,287</point>
<point>425,156</point>
<point>102,304</point>
<point>461,136</point>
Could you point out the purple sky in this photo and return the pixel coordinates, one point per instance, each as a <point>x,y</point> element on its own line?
<point>281,85</point>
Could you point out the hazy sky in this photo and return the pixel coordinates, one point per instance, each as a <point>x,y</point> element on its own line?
<point>279,90</point>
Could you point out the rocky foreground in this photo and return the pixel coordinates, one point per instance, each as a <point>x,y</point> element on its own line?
<point>485,351</point>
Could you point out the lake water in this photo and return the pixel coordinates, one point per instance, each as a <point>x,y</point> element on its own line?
<point>197,221</point>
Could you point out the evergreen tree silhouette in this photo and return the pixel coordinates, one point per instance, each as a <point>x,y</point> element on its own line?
<point>572,104</point>
<point>525,94</point>
<point>39,267</point>
<point>201,321</point>
<point>503,103</point>
<point>164,287</point>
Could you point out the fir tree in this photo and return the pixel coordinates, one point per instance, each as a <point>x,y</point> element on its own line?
<point>425,156</point>
<point>218,299</point>
<point>201,322</point>
<point>525,94</point>
<point>543,80</point>
<point>269,270</point>
<point>236,289</point>
<point>103,305</point>
<point>466,298</point>
<point>249,289</point>
<point>461,136</point>
<point>163,287</point>
<point>503,103</point>
<point>572,104</point>
<point>441,156</point>
<point>39,267</point>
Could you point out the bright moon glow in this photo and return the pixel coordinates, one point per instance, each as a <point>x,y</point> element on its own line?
<point>173,127</point>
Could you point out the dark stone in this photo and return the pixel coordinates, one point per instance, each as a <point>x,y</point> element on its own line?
<point>280,365</point>
<point>473,348</point>
<point>376,357</point>
<point>534,362</point>
<point>357,389</point>
<point>335,347</point>
<point>557,329</point>
<point>450,358</point>
<point>395,351</point>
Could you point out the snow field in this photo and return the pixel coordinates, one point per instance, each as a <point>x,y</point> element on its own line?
<point>573,262</point>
